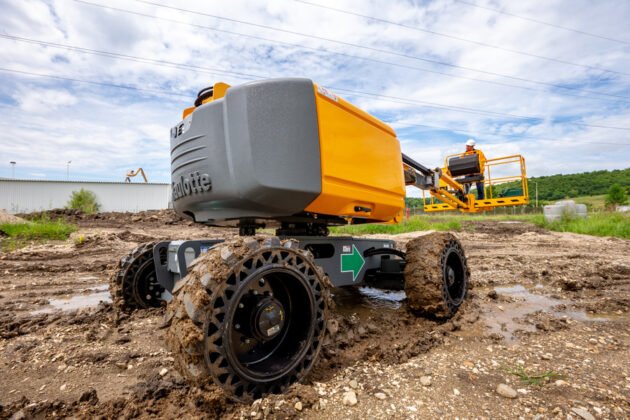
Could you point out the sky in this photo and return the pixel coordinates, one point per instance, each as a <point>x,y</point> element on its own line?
<point>99,84</point>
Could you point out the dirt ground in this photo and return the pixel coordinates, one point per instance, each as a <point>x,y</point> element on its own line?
<point>550,306</point>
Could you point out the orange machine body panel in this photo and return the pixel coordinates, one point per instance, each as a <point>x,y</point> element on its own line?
<point>362,170</point>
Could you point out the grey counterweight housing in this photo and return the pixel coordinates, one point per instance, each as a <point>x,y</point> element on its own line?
<point>253,154</point>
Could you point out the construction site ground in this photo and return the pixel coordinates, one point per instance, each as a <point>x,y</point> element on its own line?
<point>545,334</point>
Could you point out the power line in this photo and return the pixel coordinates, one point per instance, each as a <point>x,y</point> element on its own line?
<point>52,76</point>
<point>395,99</point>
<point>470,110</point>
<point>245,76</point>
<point>301,46</point>
<point>454,37</point>
<point>190,97</point>
<point>541,22</point>
<point>164,63</point>
<point>477,134</point>
<point>207,70</point>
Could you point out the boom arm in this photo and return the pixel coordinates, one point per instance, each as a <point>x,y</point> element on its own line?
<point>131,174</point>
<point>451,193</point>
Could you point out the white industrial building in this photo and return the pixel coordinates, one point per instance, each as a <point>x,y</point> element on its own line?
<point>25,196</point>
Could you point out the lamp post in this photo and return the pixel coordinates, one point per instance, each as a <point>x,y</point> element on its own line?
<point>12,168</point>
<point>68,170</point>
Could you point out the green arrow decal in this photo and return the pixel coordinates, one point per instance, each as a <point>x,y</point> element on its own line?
<point>352,262</point>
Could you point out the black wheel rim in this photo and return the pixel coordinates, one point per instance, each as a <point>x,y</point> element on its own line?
<point>260,355</point>
<point>146,288</point>
<point>292,350</point>
<point>454,277</point>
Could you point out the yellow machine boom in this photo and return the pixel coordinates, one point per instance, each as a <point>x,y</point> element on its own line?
<point>449,195</point>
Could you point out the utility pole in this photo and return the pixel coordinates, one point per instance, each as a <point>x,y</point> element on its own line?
<point>12,168</point>
<point>68,170</point>
<point>536,182</point>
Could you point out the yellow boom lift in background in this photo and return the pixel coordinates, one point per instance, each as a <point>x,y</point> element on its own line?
<point>461,169</point>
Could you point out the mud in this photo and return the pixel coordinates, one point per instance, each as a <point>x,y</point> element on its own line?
<point>563,301</point>
<point>426,260</point>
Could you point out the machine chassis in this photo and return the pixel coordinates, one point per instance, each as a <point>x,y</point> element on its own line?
<point>374,261</point>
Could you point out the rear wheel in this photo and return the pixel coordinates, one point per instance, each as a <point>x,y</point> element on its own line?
<point>251,316</point>
<point>436,274</point>
<point>135,285</point>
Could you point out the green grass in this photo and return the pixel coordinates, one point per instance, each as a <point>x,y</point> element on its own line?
<point>483,217</point>
<point>533,378</point>
<point>413,224</point>
<point>18,234</point>
<point>596,224</point>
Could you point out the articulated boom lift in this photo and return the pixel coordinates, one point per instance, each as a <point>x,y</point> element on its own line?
<point>450,193</point>
<point>250,313</point>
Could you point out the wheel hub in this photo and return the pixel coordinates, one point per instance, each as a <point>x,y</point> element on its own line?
<point>268,319</point>
<point>450,276</point>
<point>146,287</point>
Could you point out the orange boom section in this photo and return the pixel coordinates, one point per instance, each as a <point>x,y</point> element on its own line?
<point>362,170</point>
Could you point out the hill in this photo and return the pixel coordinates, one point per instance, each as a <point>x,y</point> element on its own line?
<point>557,187</point>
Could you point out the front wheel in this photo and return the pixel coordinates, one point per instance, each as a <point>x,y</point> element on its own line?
<point>436,274</point>
<point>251,317</point>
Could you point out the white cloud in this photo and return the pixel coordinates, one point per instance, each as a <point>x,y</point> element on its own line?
<point>106,131</point>
<point>43,101</point>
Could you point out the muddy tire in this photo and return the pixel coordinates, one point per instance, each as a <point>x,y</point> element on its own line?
<point>436,274</point>
<point>250,317</point>
<point>134,285</point>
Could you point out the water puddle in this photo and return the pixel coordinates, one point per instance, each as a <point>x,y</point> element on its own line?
<point>364,301</point>
<point>505,318</point>
<point>97,294</point>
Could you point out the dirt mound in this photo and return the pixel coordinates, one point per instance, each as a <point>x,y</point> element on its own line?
<point>507,228</point>
<point>105,239</point>
<point>9,218</point>
<point>107,219</point>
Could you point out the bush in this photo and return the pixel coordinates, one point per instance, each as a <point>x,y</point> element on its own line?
<point>616,196</point>
<point>85,201</point>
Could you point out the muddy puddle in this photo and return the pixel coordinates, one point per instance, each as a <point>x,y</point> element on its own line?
<point>92,298</point>
<point>505,318</point>
<point>365,301</point>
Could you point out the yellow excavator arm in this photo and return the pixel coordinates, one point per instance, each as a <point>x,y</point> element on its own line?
<point>131,174</point>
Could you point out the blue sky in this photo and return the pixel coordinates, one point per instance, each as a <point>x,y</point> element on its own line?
<point>438,71</point>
